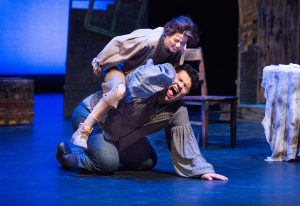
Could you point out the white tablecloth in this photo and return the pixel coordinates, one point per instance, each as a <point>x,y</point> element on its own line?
<point>282,114</point>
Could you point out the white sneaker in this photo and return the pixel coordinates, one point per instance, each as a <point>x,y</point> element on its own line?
<point>81,135</point>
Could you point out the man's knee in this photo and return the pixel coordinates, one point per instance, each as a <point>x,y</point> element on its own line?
<point>138,164</point>
<point>148,164</point>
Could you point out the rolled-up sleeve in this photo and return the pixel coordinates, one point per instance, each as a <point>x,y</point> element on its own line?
<point>119,49</point>
<point>124,47</point>
<point>186,156</point>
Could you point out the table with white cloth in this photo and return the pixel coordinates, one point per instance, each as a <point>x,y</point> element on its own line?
<point>282,112</point>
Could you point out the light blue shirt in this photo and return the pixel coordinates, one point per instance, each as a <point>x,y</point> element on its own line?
<point>148,79</point>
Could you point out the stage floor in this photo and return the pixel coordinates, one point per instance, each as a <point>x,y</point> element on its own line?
<point>30,175</point>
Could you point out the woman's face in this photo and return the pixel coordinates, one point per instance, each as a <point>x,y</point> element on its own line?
<point>175,42</point>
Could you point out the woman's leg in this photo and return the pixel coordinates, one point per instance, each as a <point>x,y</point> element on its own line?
<point>114,90</point>
<point>101,157</point>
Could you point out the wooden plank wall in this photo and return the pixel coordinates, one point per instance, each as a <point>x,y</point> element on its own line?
<point>279,34</point>
<point>248,58</point>
<point>273,27</point>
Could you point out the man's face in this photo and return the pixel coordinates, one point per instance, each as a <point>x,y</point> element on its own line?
<point>180,87</point>
<point>175,42</point>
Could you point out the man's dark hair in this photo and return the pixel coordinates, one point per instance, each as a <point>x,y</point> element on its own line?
<point>193,74</point>
<point>183,24</point>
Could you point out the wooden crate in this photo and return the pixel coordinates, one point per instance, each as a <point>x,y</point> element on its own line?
<point>16,101</point>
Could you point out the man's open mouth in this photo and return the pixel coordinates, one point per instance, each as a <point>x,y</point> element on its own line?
<point>172,91</point>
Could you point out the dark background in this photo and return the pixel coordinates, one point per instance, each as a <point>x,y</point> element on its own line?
<point>218,30</point>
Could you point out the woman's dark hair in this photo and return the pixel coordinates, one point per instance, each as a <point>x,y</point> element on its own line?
<point>193,74</point>
<point>183,24</point>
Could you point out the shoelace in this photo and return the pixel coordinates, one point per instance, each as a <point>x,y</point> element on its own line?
<point>84,134</point>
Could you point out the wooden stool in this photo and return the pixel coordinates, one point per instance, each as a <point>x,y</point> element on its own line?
<point>16,101</point>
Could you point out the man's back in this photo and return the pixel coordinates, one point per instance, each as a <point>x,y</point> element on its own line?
<point>145,117</point>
